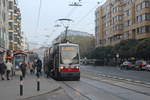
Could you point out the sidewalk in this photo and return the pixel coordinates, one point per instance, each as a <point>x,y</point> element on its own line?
<point>10,89</point>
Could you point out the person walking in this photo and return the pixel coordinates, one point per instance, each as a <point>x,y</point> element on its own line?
<point>39,66</point>
<point>9,68</point>
<point>2,70</point>
<point>31,67</point>
<point>23,67</point>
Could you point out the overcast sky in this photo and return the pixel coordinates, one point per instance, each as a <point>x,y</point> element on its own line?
<point>51,10</point>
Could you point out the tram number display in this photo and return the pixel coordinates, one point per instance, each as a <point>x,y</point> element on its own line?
<point>68,48</point>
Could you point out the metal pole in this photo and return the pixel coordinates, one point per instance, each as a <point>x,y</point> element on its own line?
<point>21,85</point>
<point>66,32</point>
<point>38,81</point>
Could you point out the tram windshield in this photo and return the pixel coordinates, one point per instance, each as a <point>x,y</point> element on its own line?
<point>69,55</point>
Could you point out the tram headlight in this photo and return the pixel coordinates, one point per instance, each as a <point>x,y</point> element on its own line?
<point>62,67</point>
<point>77,67</point>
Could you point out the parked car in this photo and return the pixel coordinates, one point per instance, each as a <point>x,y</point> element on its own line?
<point>140,65</point>
<point>126,65</point>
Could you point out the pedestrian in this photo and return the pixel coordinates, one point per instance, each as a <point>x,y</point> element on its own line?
<point>9,68</point>
<point>39,66</point>
<point>2,70</point>
<point>23,67</point>
<point>31,67</point>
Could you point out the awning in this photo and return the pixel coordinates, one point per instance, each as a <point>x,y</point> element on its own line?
<point>9,57</point>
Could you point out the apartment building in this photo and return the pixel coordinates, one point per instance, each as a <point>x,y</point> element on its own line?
<point>118,20</point>
<point>24,42</point>
<point>14,23</point>
<point>3,26</point>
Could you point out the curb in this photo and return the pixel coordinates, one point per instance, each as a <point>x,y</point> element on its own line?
<point>42,93</point>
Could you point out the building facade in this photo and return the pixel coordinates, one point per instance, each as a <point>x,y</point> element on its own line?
<point>14,23</point>
<point>118,20</point>
<point>3,25</point>
<point>10,27</point>
<point>24,42</point>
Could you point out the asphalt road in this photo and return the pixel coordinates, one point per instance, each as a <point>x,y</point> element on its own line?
<point>94,86</point>
<point>115,71</point>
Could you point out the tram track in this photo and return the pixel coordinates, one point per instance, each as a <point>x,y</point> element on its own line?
<point>104,80</point>
<point>88,98</point>
<point>83,95</point>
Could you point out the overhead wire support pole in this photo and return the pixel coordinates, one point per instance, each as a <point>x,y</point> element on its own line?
<point>66,33</point>
<point>63,20</point>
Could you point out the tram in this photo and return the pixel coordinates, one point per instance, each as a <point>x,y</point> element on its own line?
<point>62,60</point>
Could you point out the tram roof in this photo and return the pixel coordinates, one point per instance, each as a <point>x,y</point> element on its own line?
<point>71,44</point>
<point>19,52</point>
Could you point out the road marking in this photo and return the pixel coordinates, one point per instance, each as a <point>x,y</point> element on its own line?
<point>115,77</point>
<point>137,81</point>
<point>130,80</point>
<point>121,78</point>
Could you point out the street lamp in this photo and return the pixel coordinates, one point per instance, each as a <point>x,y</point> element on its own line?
<point>65,22</point>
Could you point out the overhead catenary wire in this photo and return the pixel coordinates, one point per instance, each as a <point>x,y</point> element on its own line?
<point>71,12</point>
<point>39,13</point>
<point>38,20</point>
<point>86,15</point>
<point>74,5</point>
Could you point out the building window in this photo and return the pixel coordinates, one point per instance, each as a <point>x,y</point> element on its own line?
<point>10,35</point>
<point>15,38</point>
<point>147,16</point>
<point>10,6</point>
<point>127,13</point>
<point>127,23</point>
<point>117,9</point>
<point>144,4</point>
<point>117,27</point>
<point>117,18</point>
<point>10,25</point>
<point>143,17</point>
<point>143,29</point>
<point>11,15</point>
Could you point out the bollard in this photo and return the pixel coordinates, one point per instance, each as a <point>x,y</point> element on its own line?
<point>21,85</point>
<point>38,82</point>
